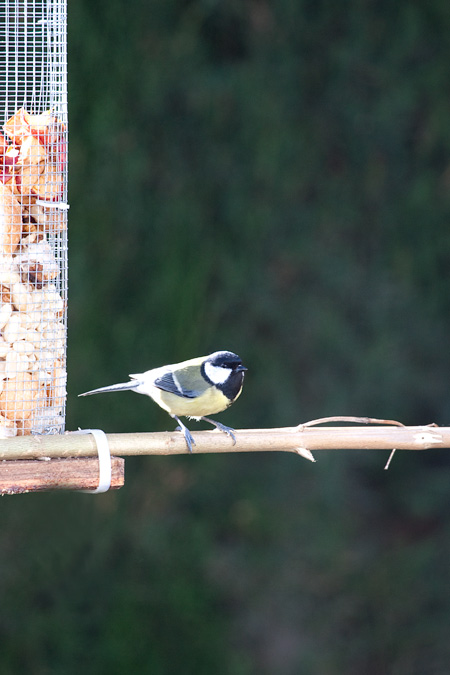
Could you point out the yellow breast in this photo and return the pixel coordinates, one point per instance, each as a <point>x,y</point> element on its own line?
<point>209,403</point>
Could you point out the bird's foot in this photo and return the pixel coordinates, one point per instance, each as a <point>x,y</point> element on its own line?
<point>226,430</point>
<point>187,434</point>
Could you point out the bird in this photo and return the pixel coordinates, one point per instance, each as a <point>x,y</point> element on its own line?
<point>195,388</point>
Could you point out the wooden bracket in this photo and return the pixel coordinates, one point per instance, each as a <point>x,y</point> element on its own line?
<point>21,476</point>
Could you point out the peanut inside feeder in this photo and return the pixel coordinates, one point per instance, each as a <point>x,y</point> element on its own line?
<point>32,275</point>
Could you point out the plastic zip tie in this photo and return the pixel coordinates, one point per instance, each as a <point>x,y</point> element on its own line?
<point>104,460</point>
<point>63,206</point>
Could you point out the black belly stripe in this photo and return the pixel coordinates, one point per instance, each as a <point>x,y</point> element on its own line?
<point>232,386</point>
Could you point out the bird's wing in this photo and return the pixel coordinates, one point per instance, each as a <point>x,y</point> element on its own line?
<point>186,382</point>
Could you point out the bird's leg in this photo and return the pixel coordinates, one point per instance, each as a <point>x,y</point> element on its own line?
<point>187,434</point>
<point>226,430</point>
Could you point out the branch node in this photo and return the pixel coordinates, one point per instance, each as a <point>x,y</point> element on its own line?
<point>427,437</point>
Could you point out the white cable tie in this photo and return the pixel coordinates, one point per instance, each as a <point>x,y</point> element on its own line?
<point>104,460</point>
<point>62,206</point>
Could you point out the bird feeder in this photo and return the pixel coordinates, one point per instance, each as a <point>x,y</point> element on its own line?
<point>33,217</point>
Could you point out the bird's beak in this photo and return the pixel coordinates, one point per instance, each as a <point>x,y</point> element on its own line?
<point>241,369</point>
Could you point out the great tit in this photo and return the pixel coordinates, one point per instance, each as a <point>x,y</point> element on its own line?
<point>195,388</point>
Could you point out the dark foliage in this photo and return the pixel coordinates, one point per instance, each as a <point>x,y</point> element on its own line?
<point>271,178</point>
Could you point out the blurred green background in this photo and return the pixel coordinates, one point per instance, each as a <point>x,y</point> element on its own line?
<point>271,178</point>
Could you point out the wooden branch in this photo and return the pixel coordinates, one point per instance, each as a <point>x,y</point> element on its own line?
<point>20,476</point>
<point>23,473</point>
<point>288,439</point>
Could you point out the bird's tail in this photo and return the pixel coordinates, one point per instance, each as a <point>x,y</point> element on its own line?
<point>122,386</point>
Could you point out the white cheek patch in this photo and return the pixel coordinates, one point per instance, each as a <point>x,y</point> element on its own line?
<point>217,374</point>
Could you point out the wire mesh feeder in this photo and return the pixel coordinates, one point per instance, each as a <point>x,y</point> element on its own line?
<point>33,217</point>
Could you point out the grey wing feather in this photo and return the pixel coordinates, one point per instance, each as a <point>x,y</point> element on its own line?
<point>186,382</point>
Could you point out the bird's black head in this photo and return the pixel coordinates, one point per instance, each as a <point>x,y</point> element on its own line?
<point>226,372</point>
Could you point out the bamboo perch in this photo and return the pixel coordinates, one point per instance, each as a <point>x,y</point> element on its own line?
<point>303,439</point>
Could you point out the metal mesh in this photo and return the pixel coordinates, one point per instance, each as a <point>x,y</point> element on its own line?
<point>33,216</point>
